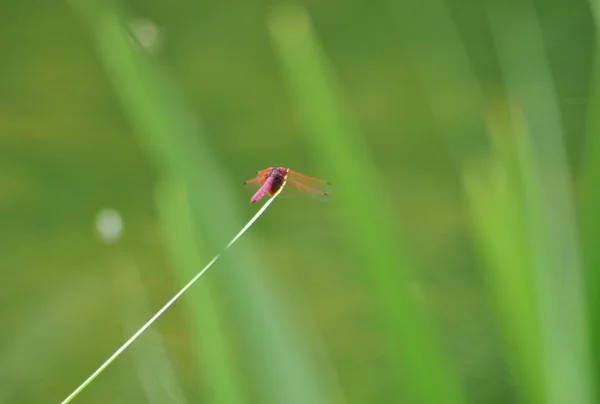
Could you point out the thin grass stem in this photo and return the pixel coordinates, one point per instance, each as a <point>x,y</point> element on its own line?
<point>130,341</point>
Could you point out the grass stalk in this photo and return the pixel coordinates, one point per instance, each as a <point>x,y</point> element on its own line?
<point>159,313</point>
<point>416,358</point>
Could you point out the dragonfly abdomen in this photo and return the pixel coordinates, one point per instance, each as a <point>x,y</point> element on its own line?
<point>264,189</point>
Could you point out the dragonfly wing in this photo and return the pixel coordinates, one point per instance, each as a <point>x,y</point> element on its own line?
<point>293,189</point>
<point>253,184</point>
<point>310,182</point>
<point>256,182</point>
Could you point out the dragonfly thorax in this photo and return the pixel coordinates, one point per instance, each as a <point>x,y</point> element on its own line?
<point>278,175</point>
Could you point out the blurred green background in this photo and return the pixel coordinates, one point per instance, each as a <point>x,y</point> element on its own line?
<point>160,110</point>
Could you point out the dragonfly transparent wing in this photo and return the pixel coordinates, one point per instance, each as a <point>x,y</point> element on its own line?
<point>294,189</point>
<point>253,184</point>
<point>256,182</point>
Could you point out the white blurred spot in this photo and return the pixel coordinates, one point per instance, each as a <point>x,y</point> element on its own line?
<point>147,33</point>
<point>109,225</point>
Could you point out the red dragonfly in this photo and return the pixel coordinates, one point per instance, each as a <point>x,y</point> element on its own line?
<point>270,180</point>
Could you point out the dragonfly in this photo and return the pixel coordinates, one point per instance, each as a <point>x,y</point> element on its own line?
<point>270,180</point>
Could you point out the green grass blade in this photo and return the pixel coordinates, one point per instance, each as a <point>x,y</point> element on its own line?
<point>280,360</point>
<point>438,58</point>
<point>213,348</point>
<point>591,214</point>
<point>548,205</point>
<point>495,195</point>
<point>341,150</point>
